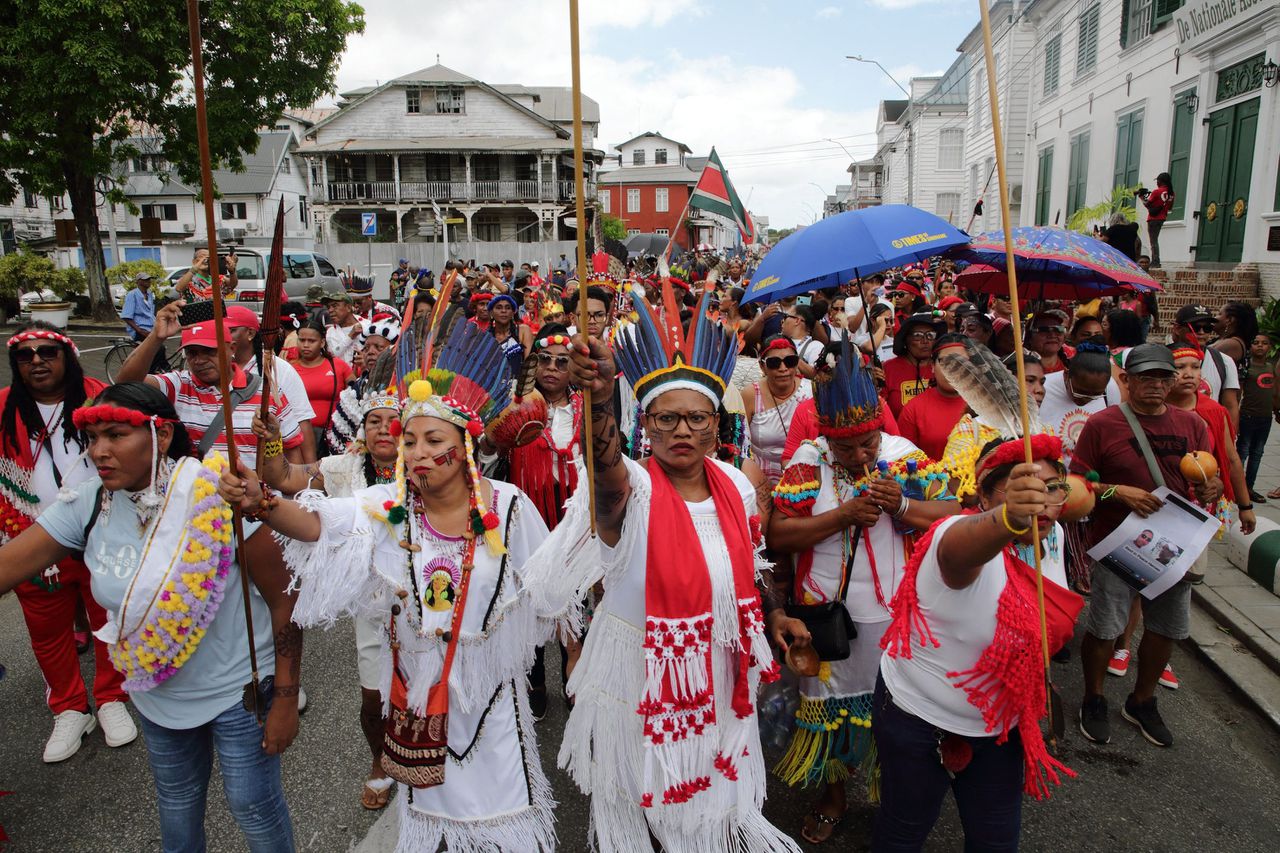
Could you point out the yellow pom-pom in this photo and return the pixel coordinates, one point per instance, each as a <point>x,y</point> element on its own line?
<point>420,390</point>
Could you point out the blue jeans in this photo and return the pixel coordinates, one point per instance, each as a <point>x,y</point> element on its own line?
<point>1254,431</point>
<point>181,760</point>
<point>913,783</point>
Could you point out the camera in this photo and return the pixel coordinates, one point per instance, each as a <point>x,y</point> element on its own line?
<point>1142,191</point>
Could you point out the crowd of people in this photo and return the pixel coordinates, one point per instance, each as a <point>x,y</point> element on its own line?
<point>825,495</point>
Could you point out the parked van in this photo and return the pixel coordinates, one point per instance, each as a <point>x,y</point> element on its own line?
<point>302,270</point>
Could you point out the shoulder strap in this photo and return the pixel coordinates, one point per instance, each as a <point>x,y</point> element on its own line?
<point>238,396</point>
<point>93,515</point>
<point>848,563</point>
<point>1143,444</point>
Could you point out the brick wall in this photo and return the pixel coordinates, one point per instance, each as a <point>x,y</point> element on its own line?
<point>1184,285</point>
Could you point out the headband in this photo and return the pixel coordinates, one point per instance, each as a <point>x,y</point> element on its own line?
<point>551,341</point>
<point>1043,446</point>
<point>1188,352</point>
<point>107,413</point>
<point>424,402</point>
<point>779,343</point>
<point>482,296</point>
<point>380,401</point>
<point>43,335</point>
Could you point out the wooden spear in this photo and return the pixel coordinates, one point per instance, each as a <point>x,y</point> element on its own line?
<point>582,239</point>
<point>219,314</point>
<point>1012,274</point>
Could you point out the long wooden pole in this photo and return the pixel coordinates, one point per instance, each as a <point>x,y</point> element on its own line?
<point>1012,276</point>
<point>582,237</point>
<point>219,324</point>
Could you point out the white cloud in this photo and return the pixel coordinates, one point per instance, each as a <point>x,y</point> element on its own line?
<point>828,12</point>
<point>771,145</point>
<point>908,4</point>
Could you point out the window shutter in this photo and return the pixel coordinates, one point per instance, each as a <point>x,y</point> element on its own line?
<point>1180,152</point>
<point>1124,23</point>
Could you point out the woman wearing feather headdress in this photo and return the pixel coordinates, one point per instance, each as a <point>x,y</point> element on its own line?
<point>663,734</point>
<point>962,686</point>
<point>439,555</point>
<point>845,508</point>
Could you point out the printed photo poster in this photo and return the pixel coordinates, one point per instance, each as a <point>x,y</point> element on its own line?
<point>1152,554</point>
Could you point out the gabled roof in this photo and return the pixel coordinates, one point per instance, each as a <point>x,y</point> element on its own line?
<point>673,174</point>
<point>953,87</point>
<point>654,135</point>
<point>258,177</point>
<point>553,102</point>
<point>310,115</point>
<point>892,110</point>
<point>432,75</point>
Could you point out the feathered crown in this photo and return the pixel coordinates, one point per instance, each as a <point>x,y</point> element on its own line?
<point>845,396</point>
<point>991,391</point>
<point>356,285</point>
<point>469,383</point>
<point>656,356</point>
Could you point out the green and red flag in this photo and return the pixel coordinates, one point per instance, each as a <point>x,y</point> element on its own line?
<point>715,194</point>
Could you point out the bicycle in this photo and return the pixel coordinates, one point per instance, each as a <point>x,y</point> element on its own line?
<point>122,348</point>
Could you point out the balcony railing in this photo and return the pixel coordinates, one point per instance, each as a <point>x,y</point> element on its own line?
<point>449,191</point>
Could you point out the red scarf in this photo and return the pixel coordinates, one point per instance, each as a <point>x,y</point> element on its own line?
<point>682,739</point>
<point>1007,683</point>
<point>546,473</point>
<point>1215,418</point>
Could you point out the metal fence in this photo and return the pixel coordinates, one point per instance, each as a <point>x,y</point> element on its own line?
<point>432,256</point>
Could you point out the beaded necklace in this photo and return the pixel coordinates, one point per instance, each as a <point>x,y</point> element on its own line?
<point>464,548</point>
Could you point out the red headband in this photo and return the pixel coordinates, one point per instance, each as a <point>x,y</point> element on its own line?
<point>780,343</point>
<point>1189,352</point>
<point>1043,446</point>
<point>42,335</point>
<point>107,413</point>
<point>481,297</point>
<point>551,341</point>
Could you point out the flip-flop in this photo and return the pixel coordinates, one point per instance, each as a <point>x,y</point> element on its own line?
<point>376,793</point>
<point>1274,494</point>
<point>821,820</point>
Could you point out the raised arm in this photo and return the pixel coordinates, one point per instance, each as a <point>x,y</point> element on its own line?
<point>277,471</point>
<point>27,554</point>
<point>280,514</point>
<point>138,364</point>
<point>591,366</point>
<point>970,543</point>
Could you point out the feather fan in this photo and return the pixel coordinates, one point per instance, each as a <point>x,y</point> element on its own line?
<point>988,387</point>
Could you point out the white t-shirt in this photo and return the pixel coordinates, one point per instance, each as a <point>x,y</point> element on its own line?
<point>1228,379</point>
<point>1066,417</point>
<point>964,623</point>
<point>809,349</point>
<point>290,384</point>
<point>43,484</point>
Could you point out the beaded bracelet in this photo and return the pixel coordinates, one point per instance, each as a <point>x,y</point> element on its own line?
<point>1004,516</point>
<point>272,449</point>
<point>269,501</point>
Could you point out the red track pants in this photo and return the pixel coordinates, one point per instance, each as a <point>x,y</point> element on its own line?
<point>50,618</point>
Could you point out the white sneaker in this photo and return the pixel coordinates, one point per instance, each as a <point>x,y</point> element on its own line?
<point>117,726</point>
<point>69,729</point>
<point>302,700</point>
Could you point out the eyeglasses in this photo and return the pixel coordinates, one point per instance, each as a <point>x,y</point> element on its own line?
<point>773,362</point>
<point>1155,377</point>
<point>916,280</point>
<point>922,336</point>
<point>596,316</point>
<point>1202,328</point>
<point>1050,330</point>
<point>666,422</point>
<point>47,352</point>
<point>894,294</point>
<point>559,362</point>
<point>1002,297</point>
<point>1057,492</point>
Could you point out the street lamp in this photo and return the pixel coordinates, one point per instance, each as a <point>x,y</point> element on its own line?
<point>806,204</point>
<point>882,68</point>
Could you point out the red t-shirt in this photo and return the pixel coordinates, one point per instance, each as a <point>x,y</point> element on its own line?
<point>1107,445</point>
<point>904,380</point>
<point>324,383</point>
<point>804,426</point>
<point>1159,203</point>
<point>927,421</point>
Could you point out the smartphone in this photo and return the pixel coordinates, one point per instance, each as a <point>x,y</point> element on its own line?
<point>196,312</point>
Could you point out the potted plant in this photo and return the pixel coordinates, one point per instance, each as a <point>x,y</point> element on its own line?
<point>39,286</point>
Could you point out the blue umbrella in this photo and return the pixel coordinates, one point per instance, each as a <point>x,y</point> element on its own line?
<point>849,245</point>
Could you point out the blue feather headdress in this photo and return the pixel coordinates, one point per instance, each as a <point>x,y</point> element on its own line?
<point>469,383</point>
<point>655,355</point>
<point>845,395</point>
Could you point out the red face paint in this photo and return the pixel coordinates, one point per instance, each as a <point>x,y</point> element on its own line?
<point>446,458</point>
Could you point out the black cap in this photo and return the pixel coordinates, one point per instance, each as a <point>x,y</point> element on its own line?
<point>966,308</point>
<point>1188,314</point>
<point>1145,358</point>
<point>508,263</point>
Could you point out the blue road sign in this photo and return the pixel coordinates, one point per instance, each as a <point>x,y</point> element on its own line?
<point>369,225</point>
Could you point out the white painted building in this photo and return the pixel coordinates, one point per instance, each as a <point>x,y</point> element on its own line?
<point>494,161</point>
<point>1126,90</point>
<point>28,219</point>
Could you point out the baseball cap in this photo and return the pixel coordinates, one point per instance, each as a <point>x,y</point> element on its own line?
<point>315,293</point>
<point>240,317</point>
<point>142,276</point>
<point>204,335</point>
<point>508,263</point>
<point>1189,314</point>
<point>1145,358</point>
<point>337,296</point>
<point>964,308</point>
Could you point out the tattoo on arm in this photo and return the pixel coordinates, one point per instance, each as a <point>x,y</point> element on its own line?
<point>764,502</point>
<point>286,690</point>
<point>289,647</point>
<point>604,438</point>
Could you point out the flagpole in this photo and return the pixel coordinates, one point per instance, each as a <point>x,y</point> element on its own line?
<point>581,230</point>
<point>219,324</point>
<point>671,238</point>
<point>1012,276</point>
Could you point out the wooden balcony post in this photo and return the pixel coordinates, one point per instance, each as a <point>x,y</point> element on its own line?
<point>395,165</point>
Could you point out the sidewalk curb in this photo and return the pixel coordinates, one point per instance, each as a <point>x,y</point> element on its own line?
<point>1253,677</point>
<point>1238,625</point>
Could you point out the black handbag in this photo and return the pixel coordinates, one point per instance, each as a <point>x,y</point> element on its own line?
<point>830,626</point>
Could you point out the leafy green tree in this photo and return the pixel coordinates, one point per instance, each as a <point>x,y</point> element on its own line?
<point>614,228</point>
<point>124,274</point>
<point>79,80</point>
<point>1120,201</point>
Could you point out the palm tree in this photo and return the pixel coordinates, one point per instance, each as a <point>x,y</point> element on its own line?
<point>1120,201</point>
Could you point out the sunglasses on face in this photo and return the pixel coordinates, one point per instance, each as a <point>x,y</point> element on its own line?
<point>47,352</point>
<point>559,362</point>
<point>922,336</point>
<point>1202,328</point>
<point>894,294</point>
<point>916,280</point>
<point>1050,330</point>
<point>774,362</point>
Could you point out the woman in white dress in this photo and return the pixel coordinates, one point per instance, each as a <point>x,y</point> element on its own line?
<point>439,553</point>
<point>771,403</point>
<point>663,734</point>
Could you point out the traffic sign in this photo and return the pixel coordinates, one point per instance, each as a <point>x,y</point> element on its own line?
<point>368,225</point>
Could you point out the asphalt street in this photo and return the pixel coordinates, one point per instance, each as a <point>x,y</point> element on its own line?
<point>1214,790</point>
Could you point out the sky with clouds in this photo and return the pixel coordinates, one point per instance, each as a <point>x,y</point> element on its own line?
<point>765,82</point>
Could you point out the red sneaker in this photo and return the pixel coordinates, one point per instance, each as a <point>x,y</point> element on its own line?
<point>1168,679</point>
<point>1119,665</point>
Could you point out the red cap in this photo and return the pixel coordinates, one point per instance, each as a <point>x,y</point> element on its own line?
<point>240,317</point>
<point>204,335</point>
<point>948,301</point>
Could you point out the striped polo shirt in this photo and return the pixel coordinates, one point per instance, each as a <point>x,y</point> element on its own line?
<point>197,405</point>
